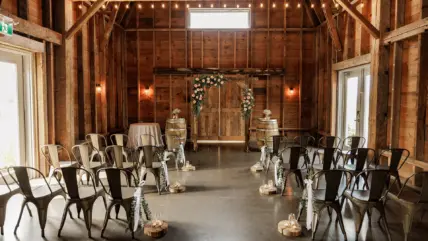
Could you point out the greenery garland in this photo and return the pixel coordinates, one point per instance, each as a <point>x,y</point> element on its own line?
<point>204,82</point>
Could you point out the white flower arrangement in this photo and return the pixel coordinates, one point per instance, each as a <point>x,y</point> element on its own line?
<point>247,104</point>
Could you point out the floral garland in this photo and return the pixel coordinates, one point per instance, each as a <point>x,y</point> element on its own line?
<point>202,83</point>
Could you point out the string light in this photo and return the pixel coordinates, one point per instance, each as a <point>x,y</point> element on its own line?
<point>273,5</point>
<point>286,5</point>
<point>261,5</point>
<point>362,5</point>
<point>249,5</point>
<point>312,5</point>
<point>187,6</point>
<point>237,5</point>
<point>224,5</point>
<point>104,6</point>
<point>80,6</point>
<point>199,5</point>
<point>298,5</point>
<point>153,6</point>
<point>163,5</point>
<point>127,6</point>
<point>116,6</point>
<point>323,5</point>
<point>176,5</point>
<point>140,6</point>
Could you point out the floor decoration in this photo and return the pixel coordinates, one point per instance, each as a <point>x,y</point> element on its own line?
<point>258,167</point>
<point>290,227</point>
<point>188,167</point>
<point>176,188</point>
<point>142,213</point>
<point>279,171</point>
<point>156,228</point>
<point>268,189</point>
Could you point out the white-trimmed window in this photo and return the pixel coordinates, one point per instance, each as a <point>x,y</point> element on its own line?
<point>219,18</point>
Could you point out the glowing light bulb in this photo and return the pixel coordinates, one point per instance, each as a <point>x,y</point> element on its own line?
<point>199,5</point>
<point>104,6</point>
<point>312,5</point>
<point>116,6</point>
<point>336,5</point>
<point>127,6</point>
<point>212,5</point>
<point>176,5</point>
<point>323,5</point>
<point>362,5</point>
<point>80,6</point>
<point>153,6</point>
<point>273,5</point>
<point>163,5</point>
<point>224,5</point>
<point>187,6</point>
<point>298,5</point>
<point>249,5</point>
<point>237,5</point>
<point>140,6</point>
<point>261,5</point>
<point>286,5</point>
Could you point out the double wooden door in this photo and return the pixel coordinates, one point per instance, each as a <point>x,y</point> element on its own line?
<point>220,118</point>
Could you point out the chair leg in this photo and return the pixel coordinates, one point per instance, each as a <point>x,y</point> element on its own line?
<point>78,208</point>
<point>43,214</point>
<point>408,221</point>
<point>369,216</point>
<point>106,218</point>
<point>337,209</point>
<point>284,182</point>
<point>157,180</point>
<point>299,175</point>
<point>379,206</point>
<point>64,216</point>
<point>20,215</point>
<point>300,210</point>
<point>88,220</point>
<point>359,218</point>
<point>2,217</point>
<point>314,224</point>
<point>29,211</point>
<point>130,220</point>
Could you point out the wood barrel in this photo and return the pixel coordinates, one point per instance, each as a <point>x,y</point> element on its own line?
<point>176,132</point>
<point>265,130</point>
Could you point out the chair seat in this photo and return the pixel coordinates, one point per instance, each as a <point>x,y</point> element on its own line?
<point>362,195</point>
<point>43,191</point>
<point>4,191</point>
<point>407,196</point>
<point>127,193</point>
<point>86,192</point>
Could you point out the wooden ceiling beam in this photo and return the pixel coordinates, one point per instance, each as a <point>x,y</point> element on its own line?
<point>84,19</point>
<point>331,26</point>
<point>122,14</point>
<point>127,18</point>
<point>318,10</point>
<point>406,31</point>
<point>34,30</point>
<point>109,28</point>
<point>359,18</point>
<point>312,17</point>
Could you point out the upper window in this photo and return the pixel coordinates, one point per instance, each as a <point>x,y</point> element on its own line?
<point>219,18</point>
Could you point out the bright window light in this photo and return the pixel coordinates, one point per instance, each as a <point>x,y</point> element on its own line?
<point>220,18</point>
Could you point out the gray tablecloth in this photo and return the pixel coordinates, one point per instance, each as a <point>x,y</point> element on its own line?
<point>138,129</point>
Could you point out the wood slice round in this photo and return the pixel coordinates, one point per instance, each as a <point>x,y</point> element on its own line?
<point>155,231</point>
<point>288,231</point>
<point>177,189</point>
<point>267,191</point>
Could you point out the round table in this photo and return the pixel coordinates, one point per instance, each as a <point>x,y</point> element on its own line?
<point>138,129</point>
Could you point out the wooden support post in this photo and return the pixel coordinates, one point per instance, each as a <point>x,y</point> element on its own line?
<point>22,9</point>
<point>397,58</point>
<point>109,28</point>
<point>84,19</point>
<point>380,81</point>
<point>375,32</point>
<point>331,26</point>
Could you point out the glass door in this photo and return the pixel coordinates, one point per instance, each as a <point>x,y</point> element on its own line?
<point>12,140</point>
<point>354,98</point>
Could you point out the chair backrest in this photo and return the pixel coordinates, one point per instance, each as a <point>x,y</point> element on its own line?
<point>398,155</point>
<point>70,178</point>
<point>294,157</point>
<point>363,157</point>
<point>353,142</point>
<point>149,155</point>
<point>377,183</point>
<point>333,180</point>
<point>82,154</point>
<point>115,154</point>
<point>423,193</point>
<point>98,141</point>
<point>305,140</point>
<point>145,140</point>
<point>52,153</point>
<point>277,140</point>
<point>328,158</point>
<point>119,139</point>
<point>114,181</point>
<point>20,176</point>
<point>329,141</point>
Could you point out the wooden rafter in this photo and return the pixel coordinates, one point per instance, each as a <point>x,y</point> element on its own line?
<point>128,14</point>
<point>109,28</point>
<point>318,10</point>
<point>84,19</point>
<point>34,30</point>
<point>122,14</point>
<point>312,17</point>
<point>406,31</point>
<point>331,26</point>
<point>359,18</point>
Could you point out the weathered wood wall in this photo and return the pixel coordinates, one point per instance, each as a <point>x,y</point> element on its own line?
<point>406,121</point>
<point>279,38</point>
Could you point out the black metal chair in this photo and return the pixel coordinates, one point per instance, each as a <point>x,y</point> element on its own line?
<point>40,196</point>
<point>6,192</point>
<point>327,162</point>
<point>365,200</point>
<point>350,143</point>
<point>83,196</point>
<point>305,141</point>
<point>118,195</point>
<point>117,158</point>
<point>326,198</point>
<point>292,166</point>
<point>326,142</point>
<point>119,139</point>
<point>99,143</point>
<point>152,164</point>
<point>412,201</point>
<point>397,155</point>
<point>276,152</point>
<point>363,157</point>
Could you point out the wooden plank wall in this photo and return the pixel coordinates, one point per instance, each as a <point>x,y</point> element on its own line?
<point>158,37</point>
<point>357,42</point>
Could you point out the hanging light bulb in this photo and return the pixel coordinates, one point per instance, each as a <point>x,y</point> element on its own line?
<point>187,6</point>
<point>163,5</point>
<point>176,5</point>
<point>224,5</point>
<point>362,5</point>
<point>273,5</point>
<point>237,5</point>
<point>80,6</point>
<point>116,6</point>
<point>153,6</point>
<point>249,5</point>
<point>336,5</point>
<point>323,5</point>
<point>212,5</point>
<point>261,5</point>
<point>286,5</point>
<point>127,6</point>
<point>312,5</point>
<point>140,6</point>
<point>104,6</point>
<point>298,5</point>
<point>199,5</point>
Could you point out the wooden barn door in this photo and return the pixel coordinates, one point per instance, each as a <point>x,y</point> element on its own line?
<point>220,118</point>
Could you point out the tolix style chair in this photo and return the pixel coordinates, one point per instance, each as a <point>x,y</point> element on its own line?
<point>119,139</point>
<point>350,143</point>
<point>40,196</point>
<point>82,153</point>
<point>305,141</point>
<point>277,141</point>
<point>52,155</point>
<point>397,155</point>
<point>118,195</point>
<point>83,196</point>
<point>99,143</point>
<point>118,159</point>
<point>292,167</point>
<point>326,142</point>
<point>363,157</point>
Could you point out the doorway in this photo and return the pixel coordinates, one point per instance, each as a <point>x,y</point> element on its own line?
<point>353,104</point>
<point>15,109</point>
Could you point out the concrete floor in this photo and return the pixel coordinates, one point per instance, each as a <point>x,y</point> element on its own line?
<point>221,203</point>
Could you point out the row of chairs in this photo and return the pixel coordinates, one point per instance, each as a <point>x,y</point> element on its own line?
<point>359,165</point>
<point>114,193</point>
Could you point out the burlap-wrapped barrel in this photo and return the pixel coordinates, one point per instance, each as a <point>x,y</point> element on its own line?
<point>176,132</point>
<point>265,130</point>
